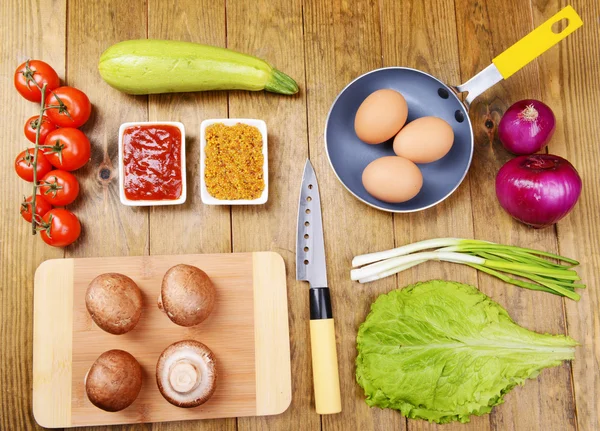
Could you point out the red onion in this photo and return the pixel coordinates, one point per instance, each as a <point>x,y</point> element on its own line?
<point>526,127</point>
<point>538,190</point>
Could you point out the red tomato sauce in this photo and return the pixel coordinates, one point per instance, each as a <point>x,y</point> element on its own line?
<point>152,162</point>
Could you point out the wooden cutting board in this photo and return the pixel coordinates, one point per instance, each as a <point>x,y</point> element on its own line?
<point>248,333</point>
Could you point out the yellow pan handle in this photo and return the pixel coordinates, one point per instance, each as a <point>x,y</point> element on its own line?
<point>326,379</point>
<point>536,43</point>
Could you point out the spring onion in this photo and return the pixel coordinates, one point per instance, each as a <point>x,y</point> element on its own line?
<point>535,269</point>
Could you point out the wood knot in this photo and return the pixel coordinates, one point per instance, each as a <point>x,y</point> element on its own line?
<point>105,174</point>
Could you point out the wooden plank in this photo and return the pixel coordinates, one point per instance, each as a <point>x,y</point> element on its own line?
<point>109,228</point>
<point>483,33</point>
<point>423,35</point>
<point>192,227</point>
<point>273,31</point>
<point>570,83</point>
<point>342,41</point>
<point>271,335</point>
<point>33,30</point>
<point>53,343</point>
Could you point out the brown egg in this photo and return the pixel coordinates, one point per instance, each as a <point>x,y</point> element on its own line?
<point>424,140</point>
<point>392,179</point>
<point>380,116</point>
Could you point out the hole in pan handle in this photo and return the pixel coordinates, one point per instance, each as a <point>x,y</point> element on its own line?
<point>560,26</point>
<point>521,53</point>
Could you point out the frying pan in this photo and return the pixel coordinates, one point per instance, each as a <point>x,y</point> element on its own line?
<point>427,96</point>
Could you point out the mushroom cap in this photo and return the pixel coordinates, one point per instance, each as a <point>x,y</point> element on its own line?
<point>187,295</point>
<point>114,302</point>
<point>186,373</point>
<point>114,380</point>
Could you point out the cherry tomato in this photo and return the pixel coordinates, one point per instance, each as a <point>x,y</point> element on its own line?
<point>32,72</point>
<point>69,107</point>
<point>60,227</point>
<point>59,187</point>
<point>24,165</point>
<point>31,127</point>
<point>67,148</point>
<point>41,208</point>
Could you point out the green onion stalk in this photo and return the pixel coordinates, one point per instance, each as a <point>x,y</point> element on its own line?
<point>535,269</point>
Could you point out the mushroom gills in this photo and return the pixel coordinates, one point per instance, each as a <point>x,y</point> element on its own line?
<point>189,376</point>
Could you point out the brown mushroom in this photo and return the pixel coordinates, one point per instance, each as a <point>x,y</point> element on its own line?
<point>114,381</point>
<point>186,373</point>
<point>115,302</point>
<point>187,295</point>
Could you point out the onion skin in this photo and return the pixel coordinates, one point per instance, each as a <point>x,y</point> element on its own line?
<point>526,127</point>
<point>538,190</point>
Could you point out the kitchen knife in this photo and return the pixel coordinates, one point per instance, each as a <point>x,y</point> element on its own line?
<point>310,266</point>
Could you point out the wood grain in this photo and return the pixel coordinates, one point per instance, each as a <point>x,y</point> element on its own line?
<point>407,41</point>
<point>34,30</point>
<point>342,41</point>
<point>271,335</point>
<point>568,77</point>
<point>109,228</point>
<point>483,33</point>
<point>273,31</point>
<point>251,353</point>
<point>228,332</point>
<point>323,44</point>
<point>53,343</point>
<point>191,227</point>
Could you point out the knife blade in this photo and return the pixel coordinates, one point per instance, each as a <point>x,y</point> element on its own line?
<point>311,267</point>
<point>310,246</point>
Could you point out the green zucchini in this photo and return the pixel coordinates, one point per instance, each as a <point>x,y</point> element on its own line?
<point>148,66</point>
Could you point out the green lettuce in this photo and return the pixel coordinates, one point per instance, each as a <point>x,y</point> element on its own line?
<point>443,351</point>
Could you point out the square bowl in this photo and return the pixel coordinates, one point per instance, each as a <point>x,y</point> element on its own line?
<point>204,194</point>
<point>129,202</point>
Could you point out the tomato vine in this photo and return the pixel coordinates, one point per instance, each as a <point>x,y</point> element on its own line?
<point>55,133</point>
<point>36,148</point>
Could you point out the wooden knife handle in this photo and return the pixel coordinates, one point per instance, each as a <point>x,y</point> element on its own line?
<point>326,378</point>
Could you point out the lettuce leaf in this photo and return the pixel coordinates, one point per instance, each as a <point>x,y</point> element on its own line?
<point>443,351</point>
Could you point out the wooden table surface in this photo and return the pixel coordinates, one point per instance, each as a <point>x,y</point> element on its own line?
<point>323,44</point>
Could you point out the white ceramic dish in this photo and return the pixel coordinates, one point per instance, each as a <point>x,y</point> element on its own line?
<point>146,203</point>
<point>205,196</point>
